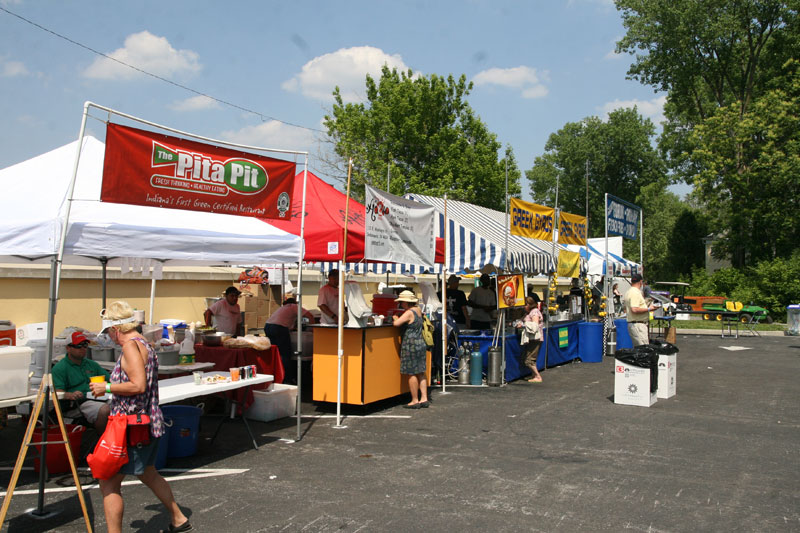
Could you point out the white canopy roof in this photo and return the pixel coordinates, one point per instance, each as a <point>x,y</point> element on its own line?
<point>34,200</point>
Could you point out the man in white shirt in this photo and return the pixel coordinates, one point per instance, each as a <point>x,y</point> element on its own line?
<point>328,299</point>
<point>226,312</point>
<point>637,311</point>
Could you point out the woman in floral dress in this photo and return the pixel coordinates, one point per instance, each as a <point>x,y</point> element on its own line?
<point>413,356</point>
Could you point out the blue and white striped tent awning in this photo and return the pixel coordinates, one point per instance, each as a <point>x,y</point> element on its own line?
<point>477,238</point>
<point>596,261</point>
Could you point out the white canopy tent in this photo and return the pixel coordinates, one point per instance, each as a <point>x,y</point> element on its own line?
<point>64,185</point>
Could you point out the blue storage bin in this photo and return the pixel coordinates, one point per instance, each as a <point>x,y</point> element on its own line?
<point>184,431</point>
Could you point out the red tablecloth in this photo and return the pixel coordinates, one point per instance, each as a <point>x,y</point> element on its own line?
<point>266,361</point>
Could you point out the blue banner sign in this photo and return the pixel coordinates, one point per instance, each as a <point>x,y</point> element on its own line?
<point>622,218</point>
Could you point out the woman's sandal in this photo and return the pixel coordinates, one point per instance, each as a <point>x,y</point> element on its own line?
<point>411,406</point>
<point>186,526</point>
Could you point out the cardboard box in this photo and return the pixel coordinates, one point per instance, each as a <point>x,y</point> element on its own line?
<point>251,320</point>
<point>667,374</point>
<point>279,402</point>
<point>247,302</point>
<point>14,363</point>
<point>263,307</point>
<point>632,385</point>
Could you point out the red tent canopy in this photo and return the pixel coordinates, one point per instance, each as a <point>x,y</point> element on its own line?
<point>324,222</point>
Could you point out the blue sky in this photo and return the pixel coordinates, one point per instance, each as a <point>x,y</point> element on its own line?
<point>536,65</point>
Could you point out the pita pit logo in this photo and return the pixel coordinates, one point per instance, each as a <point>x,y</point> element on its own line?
<point>199,173</point>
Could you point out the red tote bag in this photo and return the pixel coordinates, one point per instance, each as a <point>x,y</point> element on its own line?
<point>111,451</point>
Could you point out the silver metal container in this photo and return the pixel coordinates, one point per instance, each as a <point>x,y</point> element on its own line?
<point>494,370</point>
<point>97,353</point>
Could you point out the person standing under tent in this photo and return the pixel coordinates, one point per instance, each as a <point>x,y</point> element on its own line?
<point>532,337</point>
<point>278,328</point>
<point>226,313</point>
<point>457,302</point>
<point>413,350</point>
<point>328,299</point>
<point>637,311</point>
<point>134,389</point>
<point>483,302</point>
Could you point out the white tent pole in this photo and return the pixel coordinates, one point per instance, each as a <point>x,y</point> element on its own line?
<point>299,352</point>
<point>340,350</point>
<point>55,282</point>
<point>606,282</point>
<point>444,302</point>
<point>507,270</point>
<point>152,299</point>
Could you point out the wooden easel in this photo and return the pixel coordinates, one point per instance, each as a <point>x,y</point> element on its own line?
<point>46,387</point>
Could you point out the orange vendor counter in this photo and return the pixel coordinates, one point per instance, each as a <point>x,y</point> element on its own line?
<point>370,364</point>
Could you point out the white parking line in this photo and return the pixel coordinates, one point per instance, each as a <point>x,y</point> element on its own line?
<point>189,474</point>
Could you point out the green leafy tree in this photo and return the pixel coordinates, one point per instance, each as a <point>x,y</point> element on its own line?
<point>716,60</point>
<point>750,172</point>
<point>422,133</point>
<point>621,160</point>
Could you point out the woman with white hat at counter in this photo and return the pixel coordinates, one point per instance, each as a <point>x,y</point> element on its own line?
<point>413,356</point>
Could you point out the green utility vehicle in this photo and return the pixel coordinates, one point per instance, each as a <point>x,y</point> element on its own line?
<point>713,310</point>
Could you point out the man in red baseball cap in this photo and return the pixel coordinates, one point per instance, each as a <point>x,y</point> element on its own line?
<point>71,376</point>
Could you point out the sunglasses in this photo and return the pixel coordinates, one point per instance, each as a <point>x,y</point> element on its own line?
<point>80,345</point>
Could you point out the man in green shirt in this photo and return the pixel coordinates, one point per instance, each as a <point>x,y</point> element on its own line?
<point>72,374</point>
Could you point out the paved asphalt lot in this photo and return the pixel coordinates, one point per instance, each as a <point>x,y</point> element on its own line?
<point>722,455</point>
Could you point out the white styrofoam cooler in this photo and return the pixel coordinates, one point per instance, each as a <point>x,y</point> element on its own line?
<point>278,402</point>
<point>35,331</point>
<point>14,363</point>
<point>667,375</point>
<point>632,385</point>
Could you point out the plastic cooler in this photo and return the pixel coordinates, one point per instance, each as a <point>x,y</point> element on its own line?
<point>8,333</point>
<point>183,432</point>
<point>382,304</point>
<point>14,363</point>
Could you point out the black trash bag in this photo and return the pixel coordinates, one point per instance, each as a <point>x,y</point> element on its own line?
<point>663,347</point>
<point>644,356</point>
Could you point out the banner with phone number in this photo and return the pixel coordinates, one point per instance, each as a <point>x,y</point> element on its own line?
<point>622,218</point>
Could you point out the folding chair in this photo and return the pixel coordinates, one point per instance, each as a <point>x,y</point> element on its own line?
<point>750,325</point>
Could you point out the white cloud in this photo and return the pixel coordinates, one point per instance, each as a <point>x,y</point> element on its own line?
<point>195,103</point>
<point>346,68</point>
<point>652,109</point>
<point>11,69</point>
<point>272,134</point>
<point>147,52</point>
<point>525,79</point>
<point>612,54</point>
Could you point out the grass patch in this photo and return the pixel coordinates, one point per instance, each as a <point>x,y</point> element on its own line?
<point>713,324</point>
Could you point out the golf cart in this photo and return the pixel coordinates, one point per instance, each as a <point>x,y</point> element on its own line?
<point>675,291</point>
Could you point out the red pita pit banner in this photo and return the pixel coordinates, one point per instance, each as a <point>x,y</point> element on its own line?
<point>146,168</point>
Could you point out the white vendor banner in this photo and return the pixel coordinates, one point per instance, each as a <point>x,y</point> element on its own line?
<point>398,230</point>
